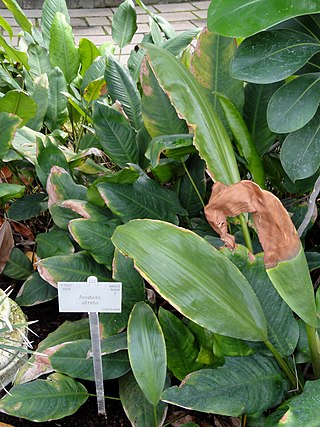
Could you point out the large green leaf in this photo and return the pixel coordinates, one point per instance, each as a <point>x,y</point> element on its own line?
<point>55,242</point>
<point>176,146</point>
<point>178,43</point>
<point>137,408</point>
<point>28,207</point>
<point>7,79</point>
<point>300,155</point>
<point>44,400</point>
<point>88,53</point>
<point>49,10</point>
<point>10,191</point>
<point>19,103</point>
<point>124,23</point>
<point>191,275</point>
<point>25,143</point>
<point>94,72</point>
<point>122,88</point>
<point>147,351</point>
<point>294,104</point>
<point>40,96</point>
<point>49,155</point>
<point>73,268</point>
<point>34,291</point>
<point>182,350</point>
<point>273,55</point>
<point>6,26</point>
<point>145,198</point>
<point>9,124</point>
<point>244,385</point>
<point>117,138</point>
<point>191,102</point>
<point>18,267</point>
<point>242,18</point>
<point>14,54</point>
<point>57,112</point>
<point>63,51</point>
<point>18,14</point>
<point>159,115</point>
<point>257,98</point>
<point>39,60</point>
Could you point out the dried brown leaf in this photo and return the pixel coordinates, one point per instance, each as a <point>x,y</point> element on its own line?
<point>275,229</point>
<point>6,244</point>
<point>22,230</point>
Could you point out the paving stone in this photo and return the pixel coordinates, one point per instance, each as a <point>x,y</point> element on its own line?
<point>32,13</point>
<point>107,29</point>
<point>125,50</point>
<point>182,26</point>
<point>143,19</point>
<point>97,21</point>
<point>88,31</point>
<point>174,7</point>
<point>97,40</point>
<point>202,5</point>
<point>202,14</point>
<point>143,28</point>
<point>78,22</point>
<point>199,23</point>
<point>176,16</point>
<point>91,12</point>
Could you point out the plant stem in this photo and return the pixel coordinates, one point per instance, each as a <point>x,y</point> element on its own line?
<point>193,184</point>
<point>155,415</point>
<point>314,348</point>
<point>246,233</point>
<point>283,365</point>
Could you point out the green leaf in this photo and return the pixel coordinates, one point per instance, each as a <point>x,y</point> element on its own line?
<point>124,23</point>
<point>88,53</point>
<point>180,42</point>
<point>227,346</point>
<point>302,408</point>
<point>166,144</point>
<point>10,191</point>
<point>19,15</point>
<point>49,155</point>
<point>55,242</point>
<point>294,104</point>
<point>63,51</point>
<point>72,359</point>
<point>44,400</point>
<point>94,237</point>
<point>182,350</point>
<point>9,124</point>
<point>300,156</point>
<point>159,115</point>
<point>243,140</point>
<point>39,60</point>
<point>6,26</point>
<point>244,385</point>
<point>114,343</point>
<point>241,18</point>
<point>94,72</point>
<point>25,143</point>
<point>28,207</point>
<point>202,270</point>
<point>122,88</point>
<point>73,268</point>
<point>57,112</point>
<point>273,55</point>
<point>147,351</point>
<point>7,79</point>
<point>14,54</point>
<point>61,187</point>
<point>19,103</point>
<point>94,90</point>
<point>188,97</point>
<point>117,138</point>
<point>49,10</point>
<point>137,408</point>
<point>257,98</point>
<point>40,96</point>
<point>35,291</point>
<point>145,198</point>
<point>19,266</point>
<point>313,259</point>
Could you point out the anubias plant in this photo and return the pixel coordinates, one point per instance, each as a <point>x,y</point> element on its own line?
<point>117,165</point>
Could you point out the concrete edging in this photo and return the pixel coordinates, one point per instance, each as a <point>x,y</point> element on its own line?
<point>83,4</point>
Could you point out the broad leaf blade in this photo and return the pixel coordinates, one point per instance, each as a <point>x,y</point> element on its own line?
<point>19,15</point>
<point>55,242</point>
<point>39,60</point>
<point>19,103</point>
<point>10,191</point>
<point>40,96</point>
<point>9,124</point>
<point>49,10</point>
<point>88,53</point>
<point>28,207</point>
<point>203,271</point>
<point>57,111</point>
<point>124,23</point>
<point>14,54</point>
<point>35,291</point>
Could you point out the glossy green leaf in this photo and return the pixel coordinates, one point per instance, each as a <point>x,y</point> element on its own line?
<point>39,60</point>
<point>35,291</point>
<point>145,198</point>
<point>61,187</point>
<point>137,408</point>
<point>57,112</point>
<point>243,140</point>
<point>132,291</point>
<point>159,115</point>
<point>257,98</point>
<point>44,400</point>
<point>6,26</point>
<point>94,90</point>
<point>241,18</point>
<point>19,266</point>
<point>313,259</point>
<point>73,268</point>
<point>191,275</point>
<point>72,359</point>
<point>40,96</point>
<point>9,124</point>
<point>124,23</point>
<point>114,343</point>
<point>227,346</point>
<point>117,138</point>
<point>273,55</point>
<point>10,191</point>
<point>55,242</point>
<point>182,350</point>
<point>294,104</point>
<point>244,385</point>
<point>94,72</point>
<point>94,237</point>
<point>190,100</point>
<point>49,155</point>
<point>28,207</point>
<point>7,79</point>
<point>300,156</point>
<point>147,351</point>
<point>19,103</point>
<point>14,54</point>
<point>166,143</point>
<point>63,51</point>
<point>49,10</point>
<point>88,53</point>
<point>18,14</point>
<point>180,42</point>
<point>25,143</point>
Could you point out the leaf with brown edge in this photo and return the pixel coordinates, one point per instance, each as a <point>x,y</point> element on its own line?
<point>6,244</point>
<point>284,257</point>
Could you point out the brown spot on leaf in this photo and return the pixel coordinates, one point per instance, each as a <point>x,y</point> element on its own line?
<point>76,206</point>
<point>54,197</point>
<point>275,229</point>
<point>144,78</point>
<point>6,244</point>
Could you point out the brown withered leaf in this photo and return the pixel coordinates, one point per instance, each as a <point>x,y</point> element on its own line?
<point>6,425</point>
<point>6,244</point>
<point>23,230</point>
<point>275,229</point>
